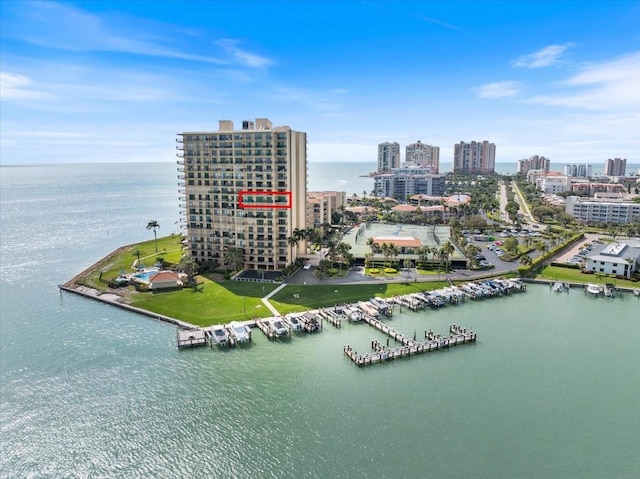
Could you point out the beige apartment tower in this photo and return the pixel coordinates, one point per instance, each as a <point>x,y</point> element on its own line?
<point>243,189</point>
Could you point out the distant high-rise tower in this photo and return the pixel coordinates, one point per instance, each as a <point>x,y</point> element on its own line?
<point>578,170</point>
<point>425,156</point>
<point>243,190</point>
<point>474,157</point>
<point>534,162</point>
<point>388,156</point>
<point>615,167</point>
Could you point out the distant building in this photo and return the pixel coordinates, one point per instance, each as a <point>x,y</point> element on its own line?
<point>553,184</point>
<point>615,167</point>
<point>402,183</point>
<point>591,188</point>
<point>423,155</point>
<point>620,259</point>
<point>578,170</point>
<point>321,205</point>
<point>243,189</point>
<point>533,163</point>
<point>388,156</point>
<point>597,210</point>
<point>474,157</point>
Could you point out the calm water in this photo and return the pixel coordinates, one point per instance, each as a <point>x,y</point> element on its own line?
<point>550,390</point>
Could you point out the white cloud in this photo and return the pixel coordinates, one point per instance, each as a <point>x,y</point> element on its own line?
<point>17,86</point>
<point>545,57</point>
<point>498,89</point>
<point>612,85</point>
<point>242,56</point>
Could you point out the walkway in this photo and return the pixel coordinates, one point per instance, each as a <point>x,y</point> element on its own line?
<point>266,302</point>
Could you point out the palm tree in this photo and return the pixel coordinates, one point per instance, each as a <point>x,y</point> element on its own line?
<point>292,241</point>
<point>342,249</point>
<point>234,258</point>
<point>189,267</point>
<point>445,253</point>
<point>154,225</point>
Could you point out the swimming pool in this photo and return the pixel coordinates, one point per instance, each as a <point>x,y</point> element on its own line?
<point>145,274</point>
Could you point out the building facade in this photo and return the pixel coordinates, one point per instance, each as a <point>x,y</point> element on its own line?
<point>579,170</point>
<point>474,157</point>
<point>589,210</point>
<point>619,259</point>
<point>403,183</point>
<point>615,167</point>
<point>321,205</point>
<point>534,162</point>
<point>423,155</point>
<point>388,156</point>
<point>243,189</point>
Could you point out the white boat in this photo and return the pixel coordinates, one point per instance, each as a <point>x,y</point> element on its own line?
<point>636,291</point>
<point>353,313</point>
<point>278,326</point>
<point>593,289</point>
<point>294,322</point>
<point>239,331</point>
<point>219,334</point>
<point>558,287</point>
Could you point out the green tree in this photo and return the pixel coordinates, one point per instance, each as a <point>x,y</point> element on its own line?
<point>154,225</point>
<point>137,253</point>
<point>189,267</point>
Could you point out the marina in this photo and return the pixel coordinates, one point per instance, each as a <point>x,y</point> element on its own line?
<point>368,312</point>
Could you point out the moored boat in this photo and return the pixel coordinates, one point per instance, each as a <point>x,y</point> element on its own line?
<point>593,289</point>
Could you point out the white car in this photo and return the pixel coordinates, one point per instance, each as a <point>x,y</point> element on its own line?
<point>306,266</point>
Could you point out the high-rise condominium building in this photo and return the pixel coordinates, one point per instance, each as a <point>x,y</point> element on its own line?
<point>474,157</point>
<point>388,156</point>
<point>534,162</point>
<point>402,183</point>
<point>243,190</point>
<point>615,167</point>
<point>579,170</point>
<point>423,155</point>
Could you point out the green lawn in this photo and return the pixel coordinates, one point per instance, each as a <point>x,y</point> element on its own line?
<point>210,302</point>
<point>169,248</point>
<point>557,273</point>
<point>300,298</point>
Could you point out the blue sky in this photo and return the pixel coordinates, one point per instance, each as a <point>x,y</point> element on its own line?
<point>116,81</point>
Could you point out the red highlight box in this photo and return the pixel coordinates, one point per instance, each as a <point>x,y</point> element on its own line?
<point>243,204</point>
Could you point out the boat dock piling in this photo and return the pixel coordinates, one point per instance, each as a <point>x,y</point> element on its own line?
<point>381,353</point>
<point>332,316</point>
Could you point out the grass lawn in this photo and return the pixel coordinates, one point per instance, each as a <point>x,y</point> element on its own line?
<point>557,273</point>
<point>169,248</point>
<point>295,297</point>
<point>210,302</point>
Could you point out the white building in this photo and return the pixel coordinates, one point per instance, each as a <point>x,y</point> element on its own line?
<point>589,210</point>
<point>554,184</point>
<point>388,156</point>
<point>474,157</point>
<point>243,189</point>
<point>402,183</point>
<point>579,170</point>
<point>423,155</point>
<point>534,162</point>
<point>619,259</point>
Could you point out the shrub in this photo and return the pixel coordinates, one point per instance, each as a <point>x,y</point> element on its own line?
<point>374,271</point>
<point>390,270</point>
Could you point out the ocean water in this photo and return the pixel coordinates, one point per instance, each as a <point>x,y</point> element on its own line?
<point>550,390</point>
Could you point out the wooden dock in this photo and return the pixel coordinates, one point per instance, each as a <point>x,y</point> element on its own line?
<point>190,338</point>
<point>409,347</point>
<point>332,316</point>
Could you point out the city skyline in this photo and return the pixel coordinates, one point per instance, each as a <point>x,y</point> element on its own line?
<point>116,81</point>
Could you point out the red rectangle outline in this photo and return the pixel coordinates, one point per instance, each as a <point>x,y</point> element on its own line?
<point>242,204</point>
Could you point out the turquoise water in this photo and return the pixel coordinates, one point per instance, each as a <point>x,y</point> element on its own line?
<point>550,389</point>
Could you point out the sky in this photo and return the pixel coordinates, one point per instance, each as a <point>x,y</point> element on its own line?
<point>116,81</point>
